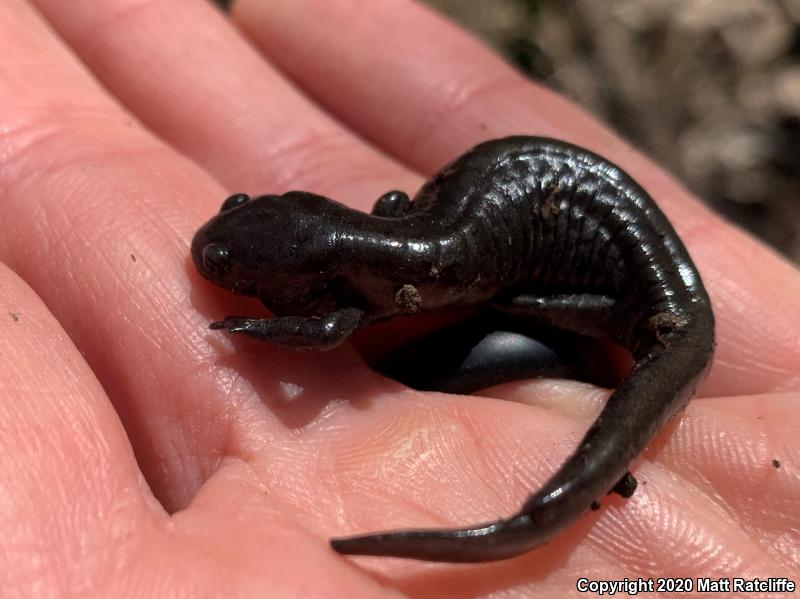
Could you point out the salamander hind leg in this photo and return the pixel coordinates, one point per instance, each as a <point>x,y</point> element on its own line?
<point>392,204</point>
<point>581,313</point>
<point>298,332</point>
<point>626,486</point>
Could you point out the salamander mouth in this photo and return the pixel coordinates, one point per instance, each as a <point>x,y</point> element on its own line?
<point>308,305</point>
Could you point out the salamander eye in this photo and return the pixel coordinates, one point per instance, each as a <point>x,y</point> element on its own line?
<point>216,258</point>
<point>234,201</point>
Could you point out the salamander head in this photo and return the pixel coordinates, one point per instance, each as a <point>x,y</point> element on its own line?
<point>277,248</point>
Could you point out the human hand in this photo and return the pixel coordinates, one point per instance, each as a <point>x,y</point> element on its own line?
<point>148,456</point>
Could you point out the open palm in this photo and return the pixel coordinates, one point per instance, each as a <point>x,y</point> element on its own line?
<point>143,455</point>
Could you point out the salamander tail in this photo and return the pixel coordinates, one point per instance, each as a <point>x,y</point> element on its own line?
<point>660,384</point>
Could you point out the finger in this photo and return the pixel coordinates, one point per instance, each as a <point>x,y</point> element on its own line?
<point>182,69</point>
<point>70,481</point>
<point>433,91</point>
<point>97,216</point>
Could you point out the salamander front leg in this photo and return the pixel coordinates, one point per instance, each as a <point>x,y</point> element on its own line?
<point>392,204</point>
<point>298,332</point>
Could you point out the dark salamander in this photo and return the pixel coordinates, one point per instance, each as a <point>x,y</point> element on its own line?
<point>539,230</point>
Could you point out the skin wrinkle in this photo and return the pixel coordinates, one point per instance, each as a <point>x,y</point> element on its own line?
<point>721,509</point>
<point>556,256</point>
<point>31,174</point>
<point>524,478</point>
<point>309,148</point>
<point>507,232</point>
<point>587,276</point>
<point>569,243</point>
<point>589,237</point>
<point>578,246</point>
<point>559,255</point>
<point>464,423</point>
<point>487,227</point>
<point>388,433</point>
<point>94,285</point>
<point>476,440</point>
<point>523,215</point>
<point>35,146</point>
<point>612,246</point>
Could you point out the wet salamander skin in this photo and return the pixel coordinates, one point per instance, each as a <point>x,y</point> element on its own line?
<point>539,230</point>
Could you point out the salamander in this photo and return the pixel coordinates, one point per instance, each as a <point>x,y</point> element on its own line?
<point>535,229</point>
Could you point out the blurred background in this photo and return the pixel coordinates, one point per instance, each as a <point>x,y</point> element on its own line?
<point>709,88</point>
